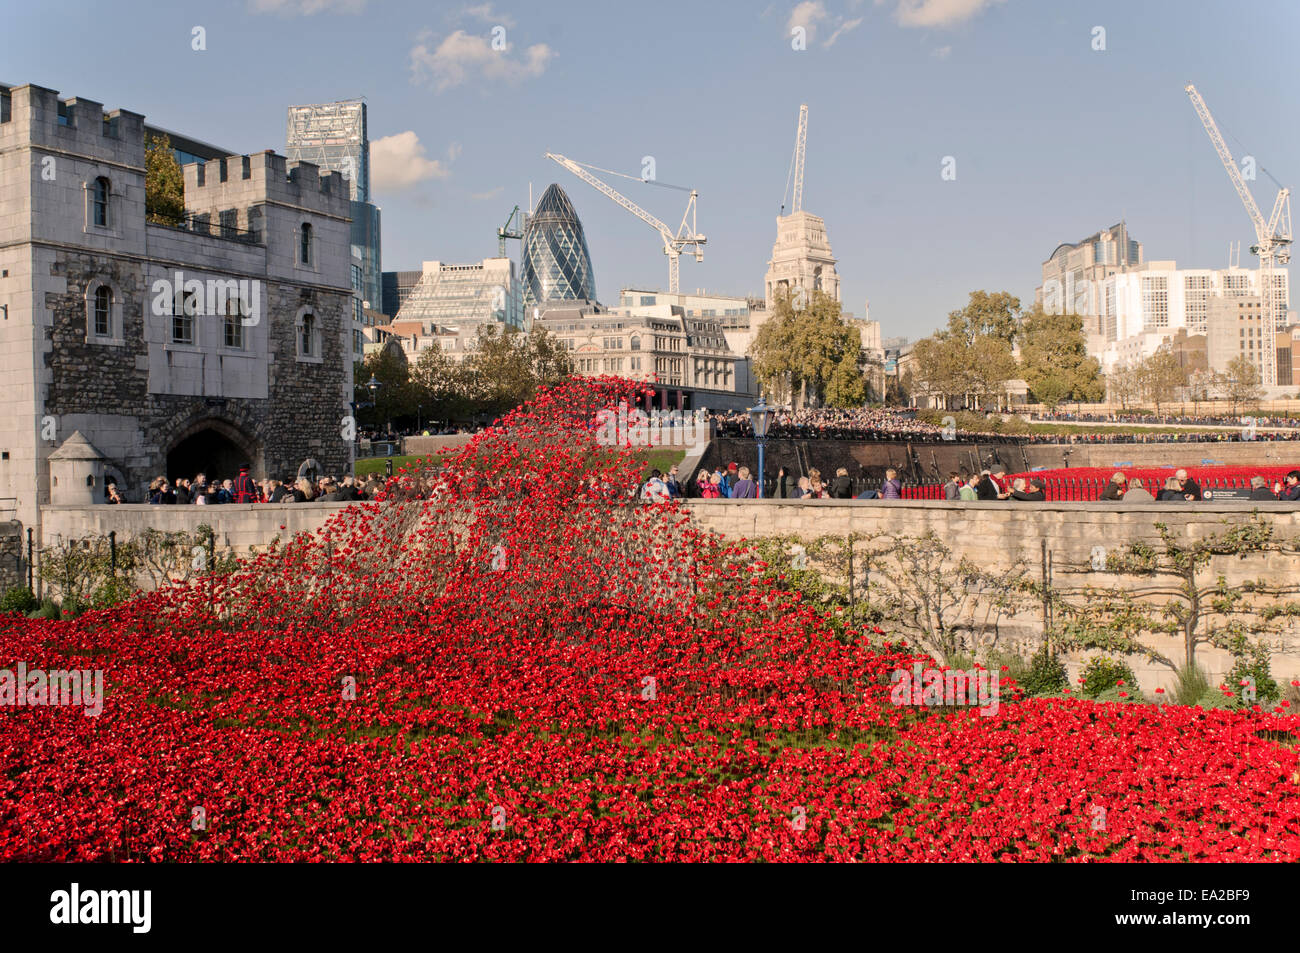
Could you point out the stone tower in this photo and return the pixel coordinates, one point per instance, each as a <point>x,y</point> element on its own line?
<point>801,258</point>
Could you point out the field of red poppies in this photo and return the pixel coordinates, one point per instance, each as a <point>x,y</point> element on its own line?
<point>509,660</point>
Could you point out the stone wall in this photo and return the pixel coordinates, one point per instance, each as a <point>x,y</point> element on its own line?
<point>13,567</point>
<point>997,535</point>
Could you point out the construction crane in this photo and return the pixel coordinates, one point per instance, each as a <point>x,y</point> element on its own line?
<point>1272,238</point>
<point>796,163</point>
<point>674,242</point>
<point>505,232</point>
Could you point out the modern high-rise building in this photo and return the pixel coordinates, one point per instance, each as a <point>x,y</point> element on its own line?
<point>555,260</point>
<point>451,302</point>
<point>397,286</point>
<point>334,136</point>
<point>1074,274</point>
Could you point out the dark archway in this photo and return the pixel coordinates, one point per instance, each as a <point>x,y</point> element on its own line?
<point>212,448</point>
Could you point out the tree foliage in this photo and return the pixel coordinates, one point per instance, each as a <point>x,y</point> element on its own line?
<point>808,356</point>
<point>164,184</point>
<point>1054,359</point>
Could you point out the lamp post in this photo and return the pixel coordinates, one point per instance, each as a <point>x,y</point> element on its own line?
<point>419,411</point>
<point>758,418</point>
<point>373,386</point>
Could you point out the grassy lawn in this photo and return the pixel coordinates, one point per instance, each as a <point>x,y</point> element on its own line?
<point>370,466</point>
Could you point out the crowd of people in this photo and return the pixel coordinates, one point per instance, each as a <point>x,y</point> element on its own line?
<point>902,424</point>
<point>1181,487</point>
<point>1203,420</point>
<point>244,489</point>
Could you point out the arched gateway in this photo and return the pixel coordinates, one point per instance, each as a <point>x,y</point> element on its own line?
<point>214,447</point>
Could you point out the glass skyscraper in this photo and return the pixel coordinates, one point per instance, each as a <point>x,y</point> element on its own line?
<point>556,263</point>
<point>333,136</point>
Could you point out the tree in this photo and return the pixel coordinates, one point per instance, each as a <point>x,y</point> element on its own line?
<point>507,366</point>
<point>994,315</point>
<point>1161,376</point>
<point>1241,384</point>
<point>164,184</point>
<point>394,397</point>
<point>1124,386</point>
<point>1184,598</point>
<point>1054,359</point>
<point>809,356</point>
<point>439,385</point>
<point>989,365</point>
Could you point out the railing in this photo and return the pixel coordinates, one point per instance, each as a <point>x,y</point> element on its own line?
<point>205,224</point>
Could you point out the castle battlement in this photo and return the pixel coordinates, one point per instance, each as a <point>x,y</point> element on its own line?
<point>77,125</point>
<point>244,181</point>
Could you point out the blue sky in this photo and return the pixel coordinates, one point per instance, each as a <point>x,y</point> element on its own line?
<point>1052,139</point>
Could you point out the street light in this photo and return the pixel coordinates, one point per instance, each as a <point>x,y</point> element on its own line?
<point>373,386</point>
<point>759,417</point>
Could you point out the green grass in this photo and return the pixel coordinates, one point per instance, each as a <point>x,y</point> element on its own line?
<point>372,466</point>
<point>662,458</point>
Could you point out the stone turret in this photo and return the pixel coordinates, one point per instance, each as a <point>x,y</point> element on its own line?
<point>77,472</point>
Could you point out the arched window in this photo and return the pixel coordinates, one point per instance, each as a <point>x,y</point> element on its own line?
<point>99,203</point>
<point>103,312</point>
<point>304,249</point>
<point>308,335</point>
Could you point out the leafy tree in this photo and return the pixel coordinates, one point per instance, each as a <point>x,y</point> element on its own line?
<point>1161,376</point>
<point>994,315</point>
<point>395,397</point>
<point>1054,359</point>
<point>989,365</point>
<point>164,184</point>
<point>809,356</point>
<point>1241,383</point>
<point>438,382</point>
<point>507,366</point>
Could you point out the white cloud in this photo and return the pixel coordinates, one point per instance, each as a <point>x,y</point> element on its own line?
<point>926,13</point>
<point>489,194</point>
<point>941,52</point>
<point>305,8</point>
<point>484,12</point>
<point>462,55</point>
<point>844,27</point>
<point>397,162</point>
<point>807,15</point>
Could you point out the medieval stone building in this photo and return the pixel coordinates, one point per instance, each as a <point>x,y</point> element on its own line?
<point>171,349</point>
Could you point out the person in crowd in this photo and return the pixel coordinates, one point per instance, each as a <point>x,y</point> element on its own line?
<point>182,491</point>
<point>1171,492</point>
<point>157,491</point>
<point>1026,493</point>
<point>703,485</point>
<point>745,488</point>
<point>302,491</point>
<point>816,488</point>
<point>952,489</point>
<point>730,477</point>
<point>328,492</point>
<point>351,492</point>
<point>199,487</point>
<point>718,485</point>
<point>842,486</point>
<point>1115,488</point>
<point>243,489</point>
<point>724,488</point>
<point>803,489</point>
<point>1290,488</point>
<point>785,484</point>
<point>1136,494</point>
<point>280,492</point>
<point>1191,489</point>
<point>985,488</point>
<point>1259,490</point>
<point>892,488</point>
<point>113,495</point>
<point>655,490</point>
<point>673,485</point>
<point>708,486</point>
<point>966,489</point>
<point>999,478</point>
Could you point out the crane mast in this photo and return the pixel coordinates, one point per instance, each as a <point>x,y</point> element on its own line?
<point>1272,238</point>
<point>674,242</point>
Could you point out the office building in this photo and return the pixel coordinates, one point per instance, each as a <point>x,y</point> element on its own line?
<point>555,260</point>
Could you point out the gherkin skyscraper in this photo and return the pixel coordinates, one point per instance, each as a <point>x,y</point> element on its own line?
<point>556,262</point>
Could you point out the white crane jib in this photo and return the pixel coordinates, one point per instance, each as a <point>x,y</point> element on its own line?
<point>674,242</point>
<point>1272,238</point>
